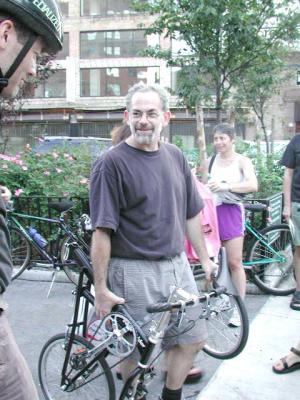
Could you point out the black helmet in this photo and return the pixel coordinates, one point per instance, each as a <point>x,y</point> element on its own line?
<point>40,16</point>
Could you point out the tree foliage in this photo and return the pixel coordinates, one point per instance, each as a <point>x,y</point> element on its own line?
<point>223,38</point>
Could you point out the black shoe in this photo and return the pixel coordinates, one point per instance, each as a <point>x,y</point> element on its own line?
<point>295,302</point>
<point>193,376</point>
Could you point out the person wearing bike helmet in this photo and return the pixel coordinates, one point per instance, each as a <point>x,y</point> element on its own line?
<point>27,28</point>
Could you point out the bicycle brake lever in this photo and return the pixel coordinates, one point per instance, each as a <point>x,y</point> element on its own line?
<point>181,314</point>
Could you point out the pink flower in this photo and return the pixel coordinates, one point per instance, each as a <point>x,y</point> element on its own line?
<point>55,155</point>
<point>47,173</point>
<point>58,170</point>
<point>84,181</point>
<point>18,192</point>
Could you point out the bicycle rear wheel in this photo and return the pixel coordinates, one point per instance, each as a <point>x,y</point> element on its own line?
<point>228,327</point>
<point>96,383</point>
<point>20,251</point>
<point>275,276</point>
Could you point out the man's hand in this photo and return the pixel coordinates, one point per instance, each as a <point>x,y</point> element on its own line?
<point>210,269</point>
<point>286,212</point>
<point>104,302</point>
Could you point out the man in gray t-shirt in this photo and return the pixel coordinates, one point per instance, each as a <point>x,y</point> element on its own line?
<point>143,201</point>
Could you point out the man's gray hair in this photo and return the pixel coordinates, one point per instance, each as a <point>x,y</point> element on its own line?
<point>142,88</point>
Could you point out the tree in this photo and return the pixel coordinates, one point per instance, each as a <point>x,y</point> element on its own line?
<point>258,85</point>
<point>223,39</point>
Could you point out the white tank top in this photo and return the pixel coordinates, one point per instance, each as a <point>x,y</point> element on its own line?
<point>230,173</point>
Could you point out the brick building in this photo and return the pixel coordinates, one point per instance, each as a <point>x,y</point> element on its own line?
<point>100,60</point>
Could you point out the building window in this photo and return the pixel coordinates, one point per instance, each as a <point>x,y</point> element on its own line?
<point>64,7</point>
<point>104,44</point>
<point>298,77</point>
<point>54,86</point>
<point>64,53</point>
<point>106,7</point>
<point>102,82</point>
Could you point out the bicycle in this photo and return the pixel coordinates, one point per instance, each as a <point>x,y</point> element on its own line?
<point>22,243</point>
<point>268,256</point>
<point>71,366</point>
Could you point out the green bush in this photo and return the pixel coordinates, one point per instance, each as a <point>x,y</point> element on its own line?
<point>61,173</point>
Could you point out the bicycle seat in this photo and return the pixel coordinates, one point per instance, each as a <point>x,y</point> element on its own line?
<point>255,207</point>
<point>61,206</point>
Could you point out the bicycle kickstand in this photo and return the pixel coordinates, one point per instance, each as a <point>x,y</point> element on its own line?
<point>52,283</point>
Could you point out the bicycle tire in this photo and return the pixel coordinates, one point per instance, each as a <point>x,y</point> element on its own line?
<point>275,278</point>
<point>224,340</point>
<point>20,252</point>
<point>50,365</point>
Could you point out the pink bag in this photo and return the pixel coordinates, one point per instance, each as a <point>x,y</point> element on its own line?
<point>208,219</point>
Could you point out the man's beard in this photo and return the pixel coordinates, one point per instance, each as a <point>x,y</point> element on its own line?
<point>146,139</point>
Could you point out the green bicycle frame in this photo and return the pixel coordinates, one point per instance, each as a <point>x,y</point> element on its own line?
<point>279,257</point>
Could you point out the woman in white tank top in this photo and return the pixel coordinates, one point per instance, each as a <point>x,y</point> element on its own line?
<point>231,173</point>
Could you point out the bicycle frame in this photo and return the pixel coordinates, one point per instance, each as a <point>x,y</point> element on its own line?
<point>250,264</point>
<point>144,344</point>
<point>62,229</point>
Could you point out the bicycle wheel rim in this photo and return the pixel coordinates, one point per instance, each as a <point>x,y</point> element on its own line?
<point>97,385</point>
<point>20,252</point>
<point>274,277</point>
<point>225,340</point>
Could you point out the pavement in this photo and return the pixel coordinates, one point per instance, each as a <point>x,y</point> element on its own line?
<point>274,329</point>
<point>249,376</point>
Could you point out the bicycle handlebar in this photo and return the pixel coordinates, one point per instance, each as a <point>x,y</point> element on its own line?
<point>162,307</point>
<point>255,207</point>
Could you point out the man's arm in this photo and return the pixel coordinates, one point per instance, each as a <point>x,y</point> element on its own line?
<point>287,189</point>
<point>100,254</point>
<point>196,237</point>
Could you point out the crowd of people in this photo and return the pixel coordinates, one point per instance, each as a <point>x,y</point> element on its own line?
<point>145,204</point>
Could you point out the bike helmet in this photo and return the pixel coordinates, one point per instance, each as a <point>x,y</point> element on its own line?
<point>42,18</point>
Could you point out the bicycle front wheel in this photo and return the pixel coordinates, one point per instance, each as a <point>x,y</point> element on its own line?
<point>20,252</point>
<point>228,327</point>
<point>95,383</point>
<point>273,266</point>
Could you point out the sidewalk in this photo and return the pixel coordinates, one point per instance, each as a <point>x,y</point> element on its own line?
<point>249,376</point>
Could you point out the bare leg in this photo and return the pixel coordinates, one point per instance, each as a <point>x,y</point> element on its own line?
<point>297,266</point>
<point>180,359</point>
<point>234,249</point>
<point>126,367</point>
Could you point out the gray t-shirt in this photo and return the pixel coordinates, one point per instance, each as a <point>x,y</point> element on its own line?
<point>145,198</point>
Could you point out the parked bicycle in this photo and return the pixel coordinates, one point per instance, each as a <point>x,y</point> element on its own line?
<point>25,240</point>
<point>268,256</point>
<point>71,366</point>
